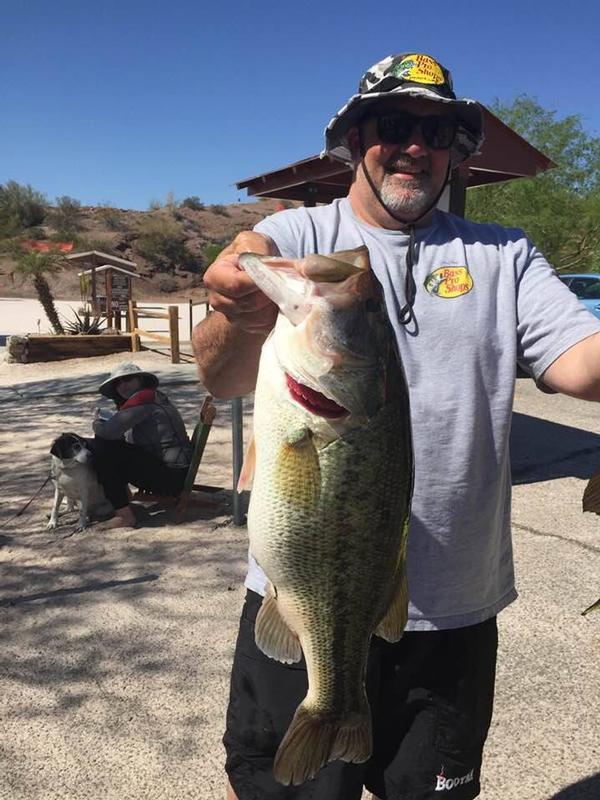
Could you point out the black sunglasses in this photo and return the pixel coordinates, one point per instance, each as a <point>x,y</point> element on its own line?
<point>439,131</point>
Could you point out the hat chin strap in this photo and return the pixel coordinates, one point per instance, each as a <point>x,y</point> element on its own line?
<point>406,314</point>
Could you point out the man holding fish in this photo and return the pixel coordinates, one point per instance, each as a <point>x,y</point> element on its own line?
<point>369,517</point>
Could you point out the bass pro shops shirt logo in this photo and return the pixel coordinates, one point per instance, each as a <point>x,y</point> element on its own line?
<point>449,282</point>
<point>444,784</point>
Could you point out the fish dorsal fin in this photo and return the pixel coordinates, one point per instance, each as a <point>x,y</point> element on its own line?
<point>272,633</point>
<point>248,468</point>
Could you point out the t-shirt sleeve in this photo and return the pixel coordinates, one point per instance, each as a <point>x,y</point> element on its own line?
<point>550,318</point>
<point>284,230</point>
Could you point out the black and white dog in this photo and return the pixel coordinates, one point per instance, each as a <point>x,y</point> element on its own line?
<point>73,476</point>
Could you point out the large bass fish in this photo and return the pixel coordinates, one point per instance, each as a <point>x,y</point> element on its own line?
<point>331,460</point>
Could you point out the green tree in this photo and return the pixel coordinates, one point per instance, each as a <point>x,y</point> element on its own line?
<point>21,207</point>
<point>559,209</point>
<point>36,266</point>
<point>193,202</point>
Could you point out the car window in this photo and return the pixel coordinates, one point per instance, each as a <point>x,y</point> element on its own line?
<point>581,286</point>
<point>591,291</point>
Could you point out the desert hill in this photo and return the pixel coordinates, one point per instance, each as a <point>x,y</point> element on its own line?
<point>171,245</point>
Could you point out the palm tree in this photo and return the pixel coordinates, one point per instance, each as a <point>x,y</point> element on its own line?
<point>35,266</point>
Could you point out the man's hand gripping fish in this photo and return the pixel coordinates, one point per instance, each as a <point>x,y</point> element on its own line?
<point>332,465</point>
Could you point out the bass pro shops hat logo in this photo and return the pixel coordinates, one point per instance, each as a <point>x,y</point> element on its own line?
<point>449,282</point>
<point>419,68</point>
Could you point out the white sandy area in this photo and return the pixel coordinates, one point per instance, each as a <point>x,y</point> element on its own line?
<point>24,315</point>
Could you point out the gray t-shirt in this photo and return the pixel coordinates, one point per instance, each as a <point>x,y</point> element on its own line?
<point>485,297</point>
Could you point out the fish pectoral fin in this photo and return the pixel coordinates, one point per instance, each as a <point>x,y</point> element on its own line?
<point>272,633</point>
<point>298,471</point>
<point>393,622</point>
<point>591,495</point>
<point>248,467</point>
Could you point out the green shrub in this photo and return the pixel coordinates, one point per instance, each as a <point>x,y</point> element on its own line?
<point>219,209</point>
<point>20,207</point>
<point>193,202</point>
<point>167,284</point>
<point>36,233</point>
<point>85,244</point>
<point>162,243</point>
<point>67,216</point>
<point>111,218</point>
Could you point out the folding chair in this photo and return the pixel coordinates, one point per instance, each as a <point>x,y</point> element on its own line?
<point>199,438</point>
<point>198,442</point>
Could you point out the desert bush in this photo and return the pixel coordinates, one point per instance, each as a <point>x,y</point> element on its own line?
<point>20,207</point>
<point>193,202</point>
<point>111,218</point>
<point>36,233</point>
<point>219,209</point>
<point>162,243</point>
<point>86,243</point>
<point>154,205</point>
<point>167,284</point>
<point>67,216</point>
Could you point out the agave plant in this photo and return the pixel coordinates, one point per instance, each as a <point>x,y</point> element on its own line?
<point>86,323</point>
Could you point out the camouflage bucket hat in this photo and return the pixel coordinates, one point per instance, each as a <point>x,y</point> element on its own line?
<point>407,75</point>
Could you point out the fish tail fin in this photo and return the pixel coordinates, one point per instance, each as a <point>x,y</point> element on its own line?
<point>313,740</point>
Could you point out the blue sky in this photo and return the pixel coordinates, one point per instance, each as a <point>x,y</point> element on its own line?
<point>123,102</point>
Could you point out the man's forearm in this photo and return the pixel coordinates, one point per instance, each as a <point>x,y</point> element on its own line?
<point>227,358</point>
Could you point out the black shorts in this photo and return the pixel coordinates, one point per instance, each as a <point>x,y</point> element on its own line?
<point>431,698</point>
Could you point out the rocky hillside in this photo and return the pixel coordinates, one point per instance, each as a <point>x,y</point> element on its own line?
<point>171,245</point>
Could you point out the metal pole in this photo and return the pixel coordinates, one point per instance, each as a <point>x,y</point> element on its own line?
<point>237,436</point>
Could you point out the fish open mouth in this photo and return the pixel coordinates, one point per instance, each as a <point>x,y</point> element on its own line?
<point>314,401</point>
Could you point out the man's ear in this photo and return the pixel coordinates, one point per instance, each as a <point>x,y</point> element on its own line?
<point>354,144</point>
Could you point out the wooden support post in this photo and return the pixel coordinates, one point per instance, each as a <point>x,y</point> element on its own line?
<point>191,318</point>
<point>237,436</point>
<point>174,333</point>
<point>135,343</point>
<point>118,319</point>
<point>108,292</point>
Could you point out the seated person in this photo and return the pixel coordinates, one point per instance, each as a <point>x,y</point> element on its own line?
<point>155,452</point>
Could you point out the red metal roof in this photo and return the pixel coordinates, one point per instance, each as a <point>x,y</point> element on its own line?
<point>504,155</point>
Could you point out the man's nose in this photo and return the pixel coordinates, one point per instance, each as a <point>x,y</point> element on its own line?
<point>416,145</point>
